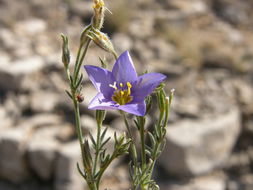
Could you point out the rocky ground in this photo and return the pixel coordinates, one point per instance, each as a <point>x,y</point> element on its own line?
<point>205,47</point>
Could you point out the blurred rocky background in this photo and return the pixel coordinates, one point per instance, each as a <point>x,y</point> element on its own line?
<point>205,47</point>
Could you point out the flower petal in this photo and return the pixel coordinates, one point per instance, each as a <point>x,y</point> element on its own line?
<point>99,102</point>
<point>101,79</point>
<point>146,84</point>
<point>123,70</point>
<point>136,109</point>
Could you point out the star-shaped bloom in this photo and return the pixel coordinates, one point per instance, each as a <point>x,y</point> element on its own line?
<point>121,88</point>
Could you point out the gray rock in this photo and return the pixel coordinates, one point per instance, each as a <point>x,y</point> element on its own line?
<point>88,124</point>
<point>44,101</point>
<point>146,55</point>
<point>82,8</point>
<point>27,66</point>
<point>122,42</point>
<point>12,155</point>
<point>142,28</point>
<point>42,152</point>
<point>30,27</point>
<point>244,182</point>
<point>40,120</point>
<point>188,7</point>
<point>66,174</point>
<point>199,183</point>
<point>234,12</point>
<point>162,50</point>
<point>198,146</point>
<point>4,58</point>
<point>66,133</point>
<point>118,178</point>
<point>245,95</point>
<point>12,107</point>
<point>14,73</point>
<point>13,81</point>
<point>247,181</point>
<point>5,120</point>
<point>7,39</point>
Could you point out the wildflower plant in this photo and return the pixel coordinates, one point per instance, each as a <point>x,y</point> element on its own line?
<point>123,90</point>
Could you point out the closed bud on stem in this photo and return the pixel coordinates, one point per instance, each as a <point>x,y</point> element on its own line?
<point>65,51</point>
<point>100,116</point>
<point>168,101</point>
<point>171,96</point>
<point>102,40</point>
<point>99,11</point>
<point>161,100</point>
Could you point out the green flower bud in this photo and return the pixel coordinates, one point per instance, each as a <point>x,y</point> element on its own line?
<point>100,116</point>
<point>98,17</point>
<point>65,51</point>
<point>102,40</point>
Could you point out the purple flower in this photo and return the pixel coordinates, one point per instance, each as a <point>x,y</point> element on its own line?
<point>121,88</point>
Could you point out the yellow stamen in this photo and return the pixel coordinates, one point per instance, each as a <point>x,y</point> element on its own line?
<point>129,86</point>
<point>122,96</point>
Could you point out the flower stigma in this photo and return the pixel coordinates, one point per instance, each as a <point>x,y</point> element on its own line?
<point>122,96</point>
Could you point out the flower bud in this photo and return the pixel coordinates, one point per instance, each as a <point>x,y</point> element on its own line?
<point>100,116</point>
<point>102,40</point>
<point>168,101</point>
<point>65,51</point>
<point>98,17</point>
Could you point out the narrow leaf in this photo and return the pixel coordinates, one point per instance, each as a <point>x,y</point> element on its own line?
<point>68,93</point>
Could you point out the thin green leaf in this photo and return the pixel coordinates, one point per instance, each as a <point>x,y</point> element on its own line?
<point>152,139</point>
<point>104,143</point>
<point>103,63</point>
<point>79,81</point>
<point>103,134</point>
<point>147,152</point>
<point>136,124</point>
<point>92,140</point>
<point>80,171</point>
<point>69,94</point>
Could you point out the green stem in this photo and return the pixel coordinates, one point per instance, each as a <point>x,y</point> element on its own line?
<point>78,56</point>
<point>132,145</point>
<point>79,63</point>
<point>127,125</point>
<point>91,183</point>
<point>97,148</point>
<point>154,158</point>
<point>78,122</point>
<point>102,170</point>
<point>142,137</point>
<point>77,116</point>
<point>92,186</point>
